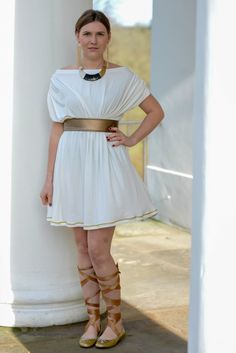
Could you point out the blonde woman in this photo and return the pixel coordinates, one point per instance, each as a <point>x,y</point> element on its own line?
<point>91,184</point>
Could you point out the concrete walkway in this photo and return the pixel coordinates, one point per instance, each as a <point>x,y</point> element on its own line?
<point>154,263</point>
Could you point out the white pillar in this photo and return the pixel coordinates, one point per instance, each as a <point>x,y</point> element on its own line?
<point>213,287</point>
<point>169,169</point>
<point>39,282</point>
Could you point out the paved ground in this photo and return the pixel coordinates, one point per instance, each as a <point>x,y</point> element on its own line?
<point>154,263</point>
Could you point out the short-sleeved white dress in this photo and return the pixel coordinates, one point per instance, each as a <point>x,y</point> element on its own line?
<point>95,185</point>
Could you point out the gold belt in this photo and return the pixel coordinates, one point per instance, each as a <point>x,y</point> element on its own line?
<point>89,124</point>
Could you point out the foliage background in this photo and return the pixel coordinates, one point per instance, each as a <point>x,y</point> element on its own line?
<point>130,46</point>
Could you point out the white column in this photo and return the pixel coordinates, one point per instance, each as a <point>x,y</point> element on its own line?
<point>6,92</point>
<point>39,281</point>
<point>169,169</point>
<point>213,264</point>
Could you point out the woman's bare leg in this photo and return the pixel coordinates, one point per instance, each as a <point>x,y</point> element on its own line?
<point>81,240</point>
<point>99,248</point>
<point>85,264</point>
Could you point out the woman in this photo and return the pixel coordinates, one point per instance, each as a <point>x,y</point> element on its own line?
<point>91,184</point>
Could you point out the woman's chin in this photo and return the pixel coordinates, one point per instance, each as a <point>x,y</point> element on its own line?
<point>93,55</point>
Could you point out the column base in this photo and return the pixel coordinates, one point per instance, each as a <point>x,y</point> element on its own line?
<point>42,315</point>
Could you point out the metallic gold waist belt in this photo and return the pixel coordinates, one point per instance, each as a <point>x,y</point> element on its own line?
<point>89,124</point>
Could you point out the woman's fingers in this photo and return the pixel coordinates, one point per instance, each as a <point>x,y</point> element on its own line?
<point>119,138</point>
<point>49,199</point>
<point>117,135</point>
<point>43,199</point>
<point>113,129</point>
<point>46,198</point>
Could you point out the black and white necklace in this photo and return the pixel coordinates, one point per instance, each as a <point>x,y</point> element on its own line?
<point>93,77</point>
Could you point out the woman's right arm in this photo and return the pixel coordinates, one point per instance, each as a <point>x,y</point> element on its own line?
<point>56,132</point>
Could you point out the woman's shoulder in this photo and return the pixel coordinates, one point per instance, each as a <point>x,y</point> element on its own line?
<point>116,71</point>
<point>69,67</point>
<point>113,65</point>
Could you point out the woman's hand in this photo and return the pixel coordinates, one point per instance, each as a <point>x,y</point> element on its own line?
<point>46,193</point>
<point>117,137</point>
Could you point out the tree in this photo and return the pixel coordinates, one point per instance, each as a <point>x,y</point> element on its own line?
<point>108,7</point>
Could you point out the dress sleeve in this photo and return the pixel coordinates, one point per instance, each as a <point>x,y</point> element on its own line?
<point>55,102</point>
<point>136,92</point>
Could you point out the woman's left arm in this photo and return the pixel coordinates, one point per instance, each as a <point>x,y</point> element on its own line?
<point>154,116</point>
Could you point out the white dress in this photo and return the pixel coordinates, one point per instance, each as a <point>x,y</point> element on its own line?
<point>95,185</point>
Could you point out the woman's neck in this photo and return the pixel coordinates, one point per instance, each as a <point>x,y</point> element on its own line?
<point>92,64</point>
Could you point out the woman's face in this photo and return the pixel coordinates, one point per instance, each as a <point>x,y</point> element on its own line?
<point>93,39</point>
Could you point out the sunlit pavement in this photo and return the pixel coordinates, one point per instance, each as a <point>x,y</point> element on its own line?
<point>154,264</point>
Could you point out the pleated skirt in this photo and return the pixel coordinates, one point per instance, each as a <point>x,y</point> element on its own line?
<point>96,185</point>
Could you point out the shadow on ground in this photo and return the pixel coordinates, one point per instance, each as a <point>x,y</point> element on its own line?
<point>154,263</point>
<point>142,335</point>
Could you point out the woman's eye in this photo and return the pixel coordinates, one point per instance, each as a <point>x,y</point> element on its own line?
<point>87,34</point>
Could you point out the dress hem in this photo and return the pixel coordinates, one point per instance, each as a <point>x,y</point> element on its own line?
<point>102,225</point>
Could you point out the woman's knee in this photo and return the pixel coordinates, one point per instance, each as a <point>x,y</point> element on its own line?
<point>99,250</point>
<point>98,253</point>
<point>81,240</point>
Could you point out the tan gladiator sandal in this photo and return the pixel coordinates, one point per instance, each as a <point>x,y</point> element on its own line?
<point>112,317</point>
<point>92,308</point>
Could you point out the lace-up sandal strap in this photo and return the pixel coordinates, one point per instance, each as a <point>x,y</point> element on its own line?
<point>112,320</point>
<point>88,277</point>
<point>88,299</point>
<point>93,305</point>
<point>111,303</point>
<point>107,278</point>
<point>85,269</point>
<point>106,288</point>
<point>94,318</point>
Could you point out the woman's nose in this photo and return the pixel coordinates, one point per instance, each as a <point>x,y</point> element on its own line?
<point>93,39</point>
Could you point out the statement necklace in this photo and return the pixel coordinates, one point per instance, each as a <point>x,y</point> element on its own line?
<point>93,77</point>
